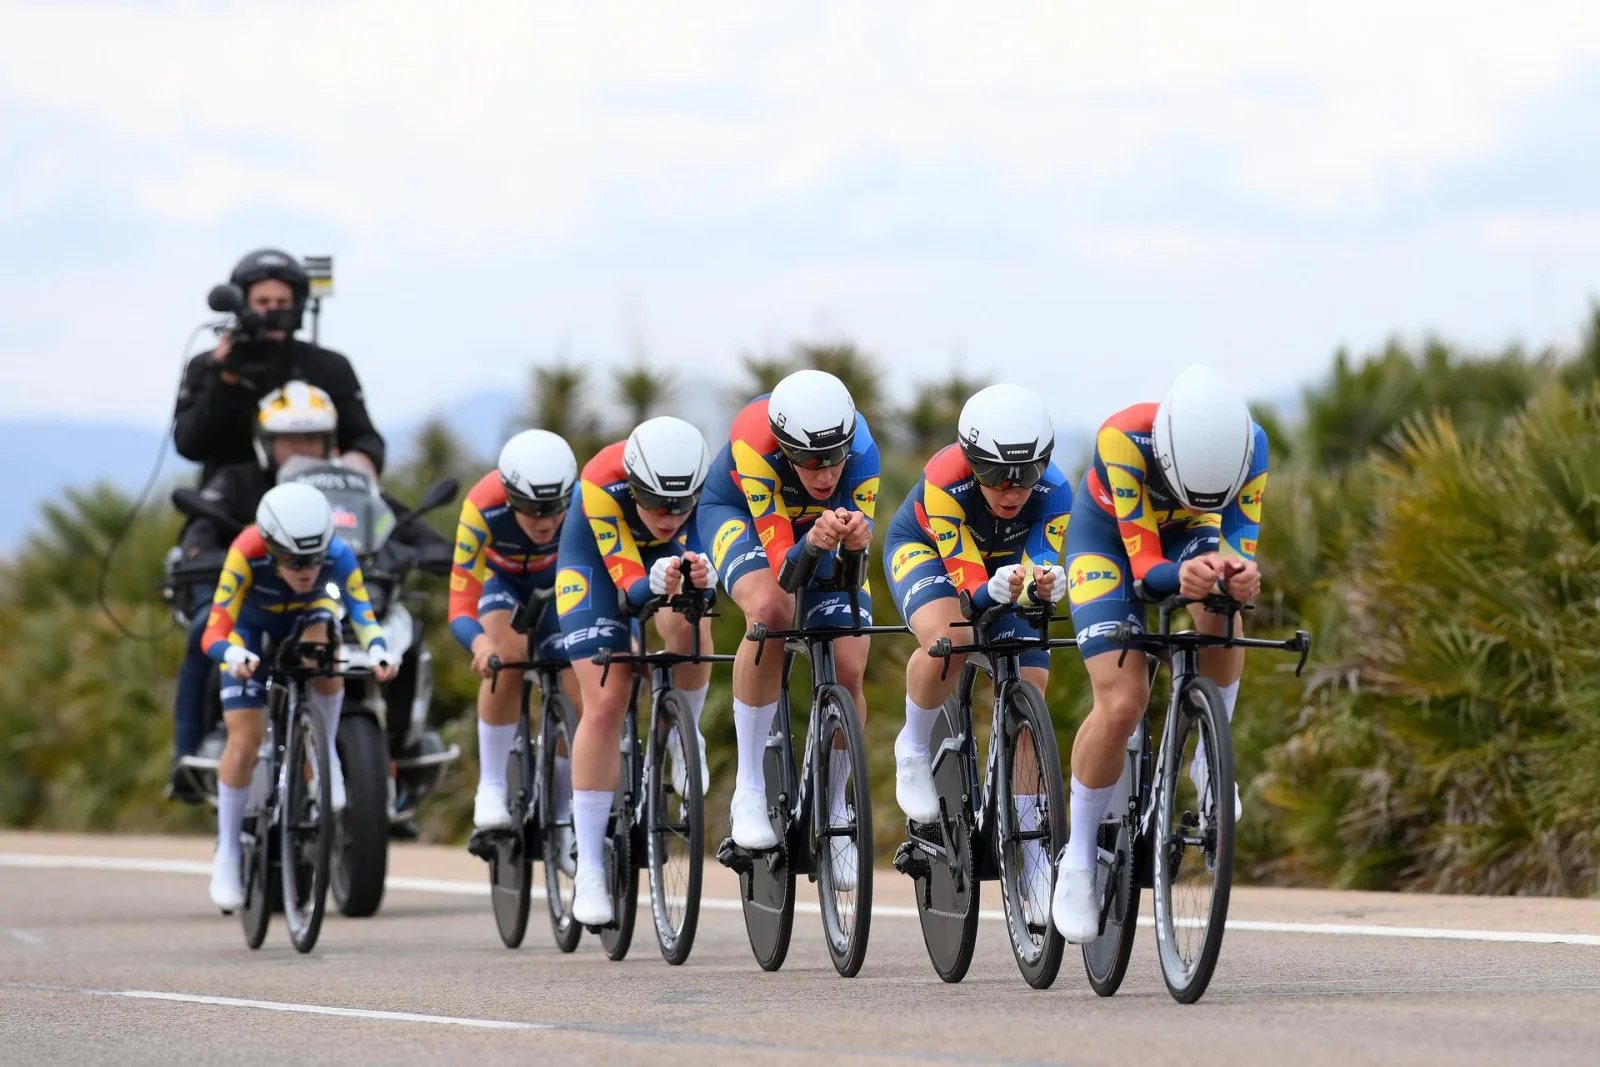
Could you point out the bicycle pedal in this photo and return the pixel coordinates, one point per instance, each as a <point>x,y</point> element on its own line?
<point>734,858</point>
<point>909,861</point>
<point>483,844</point>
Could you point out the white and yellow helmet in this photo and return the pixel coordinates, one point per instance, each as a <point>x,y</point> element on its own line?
<point>296,408</point>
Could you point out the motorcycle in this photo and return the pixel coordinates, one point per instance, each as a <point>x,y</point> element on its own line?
<point>392,759</point>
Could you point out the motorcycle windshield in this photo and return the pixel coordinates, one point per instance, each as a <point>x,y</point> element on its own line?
<point>360,517</point>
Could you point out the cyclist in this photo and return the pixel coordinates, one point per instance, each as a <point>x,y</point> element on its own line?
<point>988,517</point>
<point>1171,504</point>
<point>296,420</point>
<point>800,465</point>
<point>635,525</point>
<point>278,575</point>
<point>506,544</point>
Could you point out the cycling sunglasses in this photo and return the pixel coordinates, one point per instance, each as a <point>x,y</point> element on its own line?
<point>292,562</point>
<point>817,459</point>
<point>537,509</point>
<point>1000,475</point>
<point>649,500</point>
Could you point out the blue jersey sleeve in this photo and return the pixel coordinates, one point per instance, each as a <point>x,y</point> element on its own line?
<point>1241,519</point>
<point>353,588</point>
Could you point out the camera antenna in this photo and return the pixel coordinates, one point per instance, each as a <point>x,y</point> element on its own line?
<point>319,272</point>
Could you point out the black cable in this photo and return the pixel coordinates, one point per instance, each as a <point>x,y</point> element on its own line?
<point>133,515</point>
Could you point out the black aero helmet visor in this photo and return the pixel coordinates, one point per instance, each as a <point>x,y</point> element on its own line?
<point>545,501</point>
<point>1016,466</point>
<point>820,449</point>
<point>663,503</point>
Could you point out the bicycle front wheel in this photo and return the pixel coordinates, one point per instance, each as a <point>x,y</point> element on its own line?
<point>842,829</point>
<point>1193,847</point>
<point>306,825</point>
<point>675,822</point>
<point>1031,815</point>
<point>560,856</point>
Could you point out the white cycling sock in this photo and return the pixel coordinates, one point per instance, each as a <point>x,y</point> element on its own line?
<point>331,705</point>
<point>1197,766</point>
<point>591,809</point>
<point>753,725</point>
<point>494,750</point>
<point>838,778</point>
<point>1088,808</point>
<point>913,737</point>
<point>230,819</point>
<point>695,700</point>
<point>1033,854</point>
<point>563,789</point>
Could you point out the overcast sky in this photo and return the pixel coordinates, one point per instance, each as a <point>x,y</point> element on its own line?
<point>1083,196</point>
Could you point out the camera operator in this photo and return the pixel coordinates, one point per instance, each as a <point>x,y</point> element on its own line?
<point>216,410</point>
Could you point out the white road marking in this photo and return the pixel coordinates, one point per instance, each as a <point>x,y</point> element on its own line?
<point>317,1009</point>
<point>481,889</point>
<point>27,937</point>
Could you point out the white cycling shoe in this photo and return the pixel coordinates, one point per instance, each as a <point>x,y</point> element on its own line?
<point>591,899</point>
<point>913,788</point>
<point>680,783</point>
<point>489,810</point>
<point>1036,890</point>
<point>566,851</point>
<point>752,829</point>
<point>842,860</point>
<point>1074,908</point>
<point>227,883</point>
<point>336,785</point>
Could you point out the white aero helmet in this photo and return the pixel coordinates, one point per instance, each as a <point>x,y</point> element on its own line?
<point>1007,436</point>
<point>813,418</point>
<point>1204,440</point>
<point>667,461</point>
<point>538,469</point>
<point>295,408</point>
<point>297,524</point>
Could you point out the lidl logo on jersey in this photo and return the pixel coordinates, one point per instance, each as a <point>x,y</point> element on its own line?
<point>907,558</point>
<point>759,495</point>
<point>944,530</point>
<point>572,589</point>
<point>1090,577</point>
<point>1055,533</point>
<point>605,535</point>
<point>1126,493</point>
<point>1250,497</point>
<point>730,532</point>
<point>866,495</point>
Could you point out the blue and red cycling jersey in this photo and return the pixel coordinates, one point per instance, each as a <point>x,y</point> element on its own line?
<point>497,565</point>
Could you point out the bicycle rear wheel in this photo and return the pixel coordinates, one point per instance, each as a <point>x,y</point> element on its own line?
<point>622,857</point>
<point>675,827</point>
<point>306,825</point>
<point>1116,881</point>
<point>1193,847</point>
<point>946,880</point>
<point>510,863</point>
<point>842,829</point>
<point>1033,786</point>
<point>767,890</point>
<point>560,862</point>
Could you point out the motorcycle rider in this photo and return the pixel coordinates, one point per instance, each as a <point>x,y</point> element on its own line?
<point>221,388</point>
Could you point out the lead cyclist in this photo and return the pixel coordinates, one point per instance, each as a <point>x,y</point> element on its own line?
<point>1171,504</point>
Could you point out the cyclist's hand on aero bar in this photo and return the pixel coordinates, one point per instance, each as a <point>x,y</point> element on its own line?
<point>1197,578</point>
<point>827,532</point>
<point>1050,583</point>
<point>1242,579</point>
<point>701,576</point>
<point>482,649</point>
<point>665,578</point>
<point>240,661</point>
<point>856,531</point>
<point>383,668</point>
<point>1005,584</point>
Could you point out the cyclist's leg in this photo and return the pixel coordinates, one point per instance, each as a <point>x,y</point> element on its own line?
<point>929,604</point>
<point>499,706</point>
<point>327,694</point>
<point>242,704</point>
<point>833,609</point>
<point>745,573</point>
<point>587,605</point>
<point>1100,591</point>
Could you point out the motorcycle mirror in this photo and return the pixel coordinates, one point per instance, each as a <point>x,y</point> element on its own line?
<point>226,298</point>
<point>439,493</point>
<point>195,505</point>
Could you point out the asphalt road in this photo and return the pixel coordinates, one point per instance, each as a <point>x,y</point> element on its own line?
<point>110,953</point>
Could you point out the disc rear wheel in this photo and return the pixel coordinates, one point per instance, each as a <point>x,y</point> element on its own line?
<point>945,876</point>
<point>510,864</point>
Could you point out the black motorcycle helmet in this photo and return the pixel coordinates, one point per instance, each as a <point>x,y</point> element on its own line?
<point>266,263</point>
